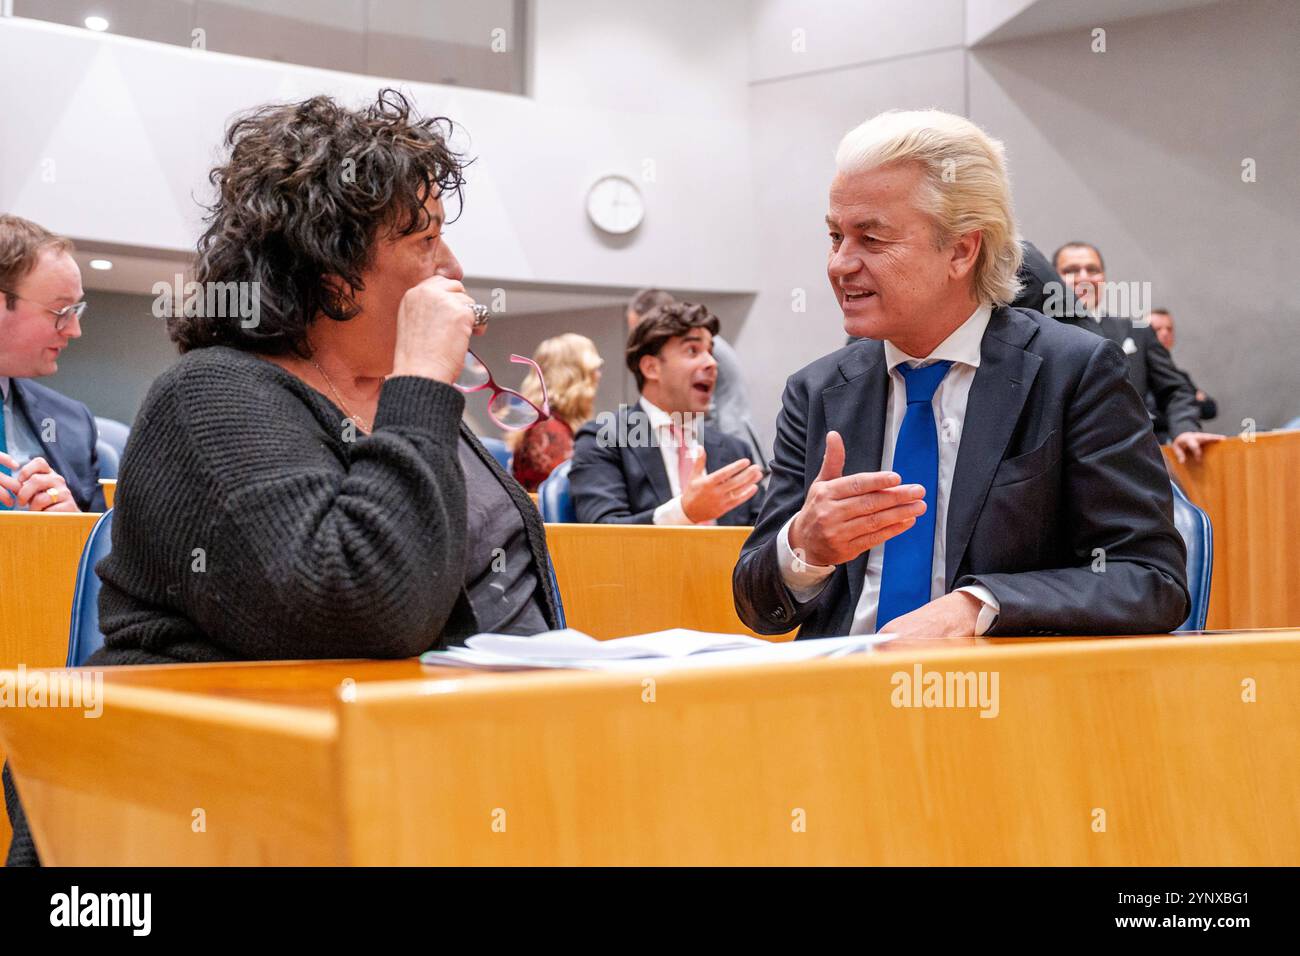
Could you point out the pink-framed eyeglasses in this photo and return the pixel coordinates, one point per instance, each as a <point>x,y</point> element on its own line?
<point>507,407</point>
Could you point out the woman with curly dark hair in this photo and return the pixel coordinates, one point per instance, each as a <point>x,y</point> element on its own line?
<point>299,484</point>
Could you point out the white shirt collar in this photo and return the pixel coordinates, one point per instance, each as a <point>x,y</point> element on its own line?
<point>660,419</point>
<point>4,388</point>
<point>963,345</point>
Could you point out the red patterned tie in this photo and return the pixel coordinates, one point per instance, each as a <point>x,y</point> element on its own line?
<point>685,463</point>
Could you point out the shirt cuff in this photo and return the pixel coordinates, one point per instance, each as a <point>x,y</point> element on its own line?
<point>989,612</point>
<point>804,580</point>
<point>670,512</point>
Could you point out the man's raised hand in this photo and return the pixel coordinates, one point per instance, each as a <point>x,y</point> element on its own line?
<point>711,495</point>
<point>845,515</point>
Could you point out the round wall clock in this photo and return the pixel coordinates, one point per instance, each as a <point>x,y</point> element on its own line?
<point>614,205</point>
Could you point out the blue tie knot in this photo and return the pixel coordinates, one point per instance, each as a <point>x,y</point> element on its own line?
<point>922,382</point>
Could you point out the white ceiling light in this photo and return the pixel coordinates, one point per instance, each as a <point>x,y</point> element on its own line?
<point>98,24</point>
<point>102,264</point>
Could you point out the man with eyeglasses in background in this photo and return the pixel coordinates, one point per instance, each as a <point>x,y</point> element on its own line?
<point>47,442</point>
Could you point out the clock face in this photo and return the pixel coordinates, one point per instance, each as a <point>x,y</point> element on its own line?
<point>614,205</point>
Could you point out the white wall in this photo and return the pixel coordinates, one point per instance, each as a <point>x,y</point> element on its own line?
<point>127,130</point>
<point>799,108</point>
<point>795,37</point>
<point>1139,149</point>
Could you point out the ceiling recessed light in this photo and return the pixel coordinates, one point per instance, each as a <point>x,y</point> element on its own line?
<point>101,264</point>
<point>98,24</point>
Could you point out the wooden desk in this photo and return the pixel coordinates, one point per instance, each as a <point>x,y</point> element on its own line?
<point>801,763</point>
<point>110,491</point>
<point>619,579</point>
<point>614,580</point>
<point>1249,490</point>
<point>39,555</point>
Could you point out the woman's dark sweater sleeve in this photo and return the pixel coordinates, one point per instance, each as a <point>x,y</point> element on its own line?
<point>310,557</point>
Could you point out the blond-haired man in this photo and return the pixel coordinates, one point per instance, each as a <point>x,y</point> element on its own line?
<point>971,468</point>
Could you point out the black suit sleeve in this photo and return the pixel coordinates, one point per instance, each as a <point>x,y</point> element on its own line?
<point>1172,388</point>
<point>1208,408</point>
<point>762,599</point>
<point>598,482</point>
<point>1116,513</point>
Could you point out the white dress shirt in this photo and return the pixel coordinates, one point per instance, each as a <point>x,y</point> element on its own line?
<point>962,348</point>
<point>671,512</point>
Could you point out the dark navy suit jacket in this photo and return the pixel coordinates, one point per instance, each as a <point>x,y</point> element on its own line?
<point>619,477</point>
<point>1152,371</point>
<point>1057,460</point>
<point>70,448</point>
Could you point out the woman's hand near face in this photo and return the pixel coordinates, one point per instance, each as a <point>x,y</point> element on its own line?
<point>434,325</point>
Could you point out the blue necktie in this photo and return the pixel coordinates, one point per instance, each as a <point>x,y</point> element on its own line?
<point>909,557</point>
<point>5,449</point>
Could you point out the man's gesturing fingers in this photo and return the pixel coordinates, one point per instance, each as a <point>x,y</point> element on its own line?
<point>33,486</point>
<point>861,483</point>
<point>36,466</point>
<point>727,471</point>
<point>832,459</point>
<point>873,502</point>
<point>9,483</point>
<point>744,479</point>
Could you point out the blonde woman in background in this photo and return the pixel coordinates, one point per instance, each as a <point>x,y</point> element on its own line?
<point>571,366</point>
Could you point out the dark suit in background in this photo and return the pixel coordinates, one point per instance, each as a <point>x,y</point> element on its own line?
<point>1151,370</point>
<point>1037,280</point>
<point>1056,460</point>
<point>70,449</point>
<point>618,482</point>
<point>1205,410</point>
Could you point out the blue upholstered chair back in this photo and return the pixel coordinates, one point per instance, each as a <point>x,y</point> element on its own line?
<point>109,459</point>
<point>1194,525</point>
<point>553,498</point>
<point>84,637</point>
<point>113,433</point>
<point>499,451</point>
<point>112,441</point>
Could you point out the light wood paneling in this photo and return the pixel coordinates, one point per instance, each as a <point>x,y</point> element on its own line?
<point>802,763</point>
<point>1249,490</point>
<point>39,554</point>
<point>632,579</point>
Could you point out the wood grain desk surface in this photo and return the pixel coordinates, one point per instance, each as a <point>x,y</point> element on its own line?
<point>318,684</point>
<point>390,762</point>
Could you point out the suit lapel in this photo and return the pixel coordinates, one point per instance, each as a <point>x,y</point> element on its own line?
<point>997,397</point>
<point>1117,330</point>
<point>647,454</point>
<point>856,409</point>
<point>28,405</point>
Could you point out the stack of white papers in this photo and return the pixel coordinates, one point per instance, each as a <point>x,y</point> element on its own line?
<point>663,650</point>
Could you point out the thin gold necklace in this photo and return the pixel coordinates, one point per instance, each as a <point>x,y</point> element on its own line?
<point>365,426</point>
